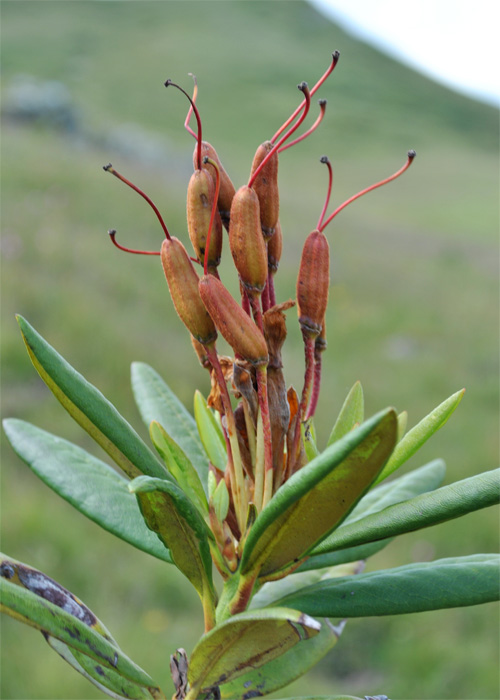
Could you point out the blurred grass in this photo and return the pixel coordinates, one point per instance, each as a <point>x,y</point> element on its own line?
<point>413,311</point>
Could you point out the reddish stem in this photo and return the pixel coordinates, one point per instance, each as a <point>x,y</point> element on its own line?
<point>306,391</point>
<point>245,303</point>
<point>316,388</point>
<point>190,111</point>
<point>109,169</point>
<point>303,87</point>
<point>196,114</point>
<point>256,311</point>
<point>266,303</point>
<point>335,58</point>
<point>272,292</point>
<point>112,235</point>
<point>411,156</point>
<point>322,104</point>
<point>326,160</point>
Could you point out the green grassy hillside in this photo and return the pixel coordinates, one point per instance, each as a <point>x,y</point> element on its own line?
<point>413,310</point>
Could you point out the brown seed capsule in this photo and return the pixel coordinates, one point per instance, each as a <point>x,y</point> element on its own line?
<point>227,190</point>
<point>312,283</point>
<point>235,324</point>
<point>183,284</point>
<point>200,197</point>
<point>274,249</point>
<point>266,187</point>
<point>247,244</point>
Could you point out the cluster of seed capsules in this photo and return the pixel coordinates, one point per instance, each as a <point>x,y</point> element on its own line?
<point>264,432</point>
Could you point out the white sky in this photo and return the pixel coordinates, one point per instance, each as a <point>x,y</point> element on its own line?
<point>455,42</point>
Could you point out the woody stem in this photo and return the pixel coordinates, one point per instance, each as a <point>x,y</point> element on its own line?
<point>316,386</point>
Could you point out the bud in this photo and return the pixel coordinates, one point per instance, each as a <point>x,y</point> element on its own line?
<point>235,325</point>
<point>247,244</point>
<point>183,284</point>
<point>312,283</point>
<point>266,188</point>
<point>226,192</point>
<point>200,196</point>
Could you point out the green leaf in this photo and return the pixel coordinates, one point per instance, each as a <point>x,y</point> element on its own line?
<point>105,679</point>
<point>27,577</point>
<point>421,480</point>
<point>91,486</point>
<point>419,434</point>
<point>246,641</point>
<point>179,466</point>
<point>446,583</point>
<point>286,668</point>
<point>351,414</point>
<point>177,522</point>
<point>210,432</point>
<point>272,591</point>
<point>343,556</point>
<point>90,408</point>
<point>428,509</point>
<point>157,402</point>
<point>318,497</point>
<point>38,610</point>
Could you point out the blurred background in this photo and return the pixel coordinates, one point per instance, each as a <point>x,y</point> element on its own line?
<point>413,308</point>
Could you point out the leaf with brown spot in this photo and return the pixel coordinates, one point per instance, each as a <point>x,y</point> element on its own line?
<point>246,641</point>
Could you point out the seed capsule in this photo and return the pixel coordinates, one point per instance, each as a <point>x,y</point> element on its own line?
<point>227,190</point>
<point>235,324</point>
<point>312,283</point>
<point>266,188</point>
<point>274,249</point>
<point>200,197</point>
<point>183,284</point>
<point>247,244</point>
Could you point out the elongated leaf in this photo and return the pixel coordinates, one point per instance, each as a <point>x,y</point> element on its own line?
<point>351,414</point>
<point>169,512</point>
<point>28,607</point>
<point>421,480</point>
<point>418,435</point>
<point>318,497</point>
<point>286,668</point>
<point>272,591</point>
<point>445,583</point>
<point>246,641</point>
<point>27,577</point>
<point>156,401</point>
<point>446,503</point>
<point>210,433</point>
<point>179,466</point>
<point>90,409</point>
<point>343,556</point>
<point>91,486</point>
<point>105,679</point>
